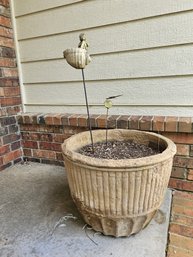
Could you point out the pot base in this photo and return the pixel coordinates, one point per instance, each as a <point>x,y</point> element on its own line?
<point>115,226</point>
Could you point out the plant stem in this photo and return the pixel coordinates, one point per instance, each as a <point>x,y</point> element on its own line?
<point>89,121</point>
<point>107,124</point>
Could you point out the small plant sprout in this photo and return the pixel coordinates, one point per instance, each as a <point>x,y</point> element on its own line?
<point>108,104</point>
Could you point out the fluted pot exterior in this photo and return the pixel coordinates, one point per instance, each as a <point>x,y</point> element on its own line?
<point>118,197</point>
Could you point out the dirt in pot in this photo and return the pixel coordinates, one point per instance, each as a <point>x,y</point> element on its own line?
<point>118,150</point>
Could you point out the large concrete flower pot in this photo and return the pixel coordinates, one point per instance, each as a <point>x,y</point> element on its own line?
<point>118,197</point>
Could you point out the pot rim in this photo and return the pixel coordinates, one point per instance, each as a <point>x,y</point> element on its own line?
<point>69,151</point>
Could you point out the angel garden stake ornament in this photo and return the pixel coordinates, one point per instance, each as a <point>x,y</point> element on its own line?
<point>79,58</point>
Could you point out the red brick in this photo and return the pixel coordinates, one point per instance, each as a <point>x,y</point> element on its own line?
<point>5,21</point>
<point>112,121</point>
<point>123,122</point>
<point>101,121</point>
<point>15,145</point>
<point>191,150</point>
<point>186,203</point>
<point>93,119</point>
<point>184,162</point>
<point>3,112</point>
<point>178,252</point>
<point>185,124</point>
<point>158,123</point>
<point>7,52</point>
<point>190,174</point>
<point>13,128</point>
<point>5,62</point>
<point>145,123</point>
<point>181,241</point>
<point>180,138</point>
<point>50,146</point>
<point>30,118</point>
<point>184,195</point>
<point>183,220</point>
<point>1,162</point>
<point>6,32</point>
<point>2,91</point>
<point>65,119</point>
<point>48,137</point>
<point>10,101</point>
<point>27,152</point>
<point>12,156</point>
<point>3,130</point>
<point>59,157</point>
<point>49,119</point>
<point>8,120</point>
<point>171,124</point>
<point>73,120</point>
<point>57,119</point>
<point>182,210</point>
<point>4,2</point>
<point>29,128</point>
<point>30,136</point>
<point>44,154</point>
<point>12,91</point>
<point>83,121</point>
<point>59,138</point>
<point>10,138</point>
<point>134,122</point>
<point>19,119</point>
<point>4,149</point>
<point>178,172</point>
<point>5,11</point>
<point>9,82</point>
<point>10,72</point>
<point>5,166</point>
<point>30,144</point>
<point>183,149</point>
<point>181,184</point>
<point>181,230</point>
<point>26,118</point>
<point>6,42</point>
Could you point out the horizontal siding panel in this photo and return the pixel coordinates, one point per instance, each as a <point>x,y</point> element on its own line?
<point>143,110</point>
<point>149,63</point>
<point>160,31</point>
<point>168,91</point>
<point>97,13</point>
<point>22,6</point>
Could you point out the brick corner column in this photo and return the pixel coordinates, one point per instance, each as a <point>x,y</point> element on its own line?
<point>10,96</point>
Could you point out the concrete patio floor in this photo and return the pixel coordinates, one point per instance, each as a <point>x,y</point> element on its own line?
<point>33,199</point>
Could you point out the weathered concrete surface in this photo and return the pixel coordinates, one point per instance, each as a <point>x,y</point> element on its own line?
<point>34,197</point>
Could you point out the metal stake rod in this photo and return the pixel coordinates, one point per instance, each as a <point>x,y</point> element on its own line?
<point>107,114</point>
<point>86,99</point>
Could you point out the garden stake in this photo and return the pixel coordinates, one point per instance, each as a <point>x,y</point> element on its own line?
<point>107,124</point>
<point>108,104</point>
<point>89,121</point>
<point>78,58</point>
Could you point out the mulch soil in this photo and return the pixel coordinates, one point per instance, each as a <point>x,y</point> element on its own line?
<point>118,150</point>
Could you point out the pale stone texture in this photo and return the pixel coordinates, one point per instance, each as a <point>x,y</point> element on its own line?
<point>118,197</point>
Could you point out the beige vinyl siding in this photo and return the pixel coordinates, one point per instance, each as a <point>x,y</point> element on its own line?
<point>141,49</point>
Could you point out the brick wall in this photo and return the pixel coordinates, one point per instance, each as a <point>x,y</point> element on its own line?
<point>10,99</point>
<point>43,134</point>
<point>180,241</point>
